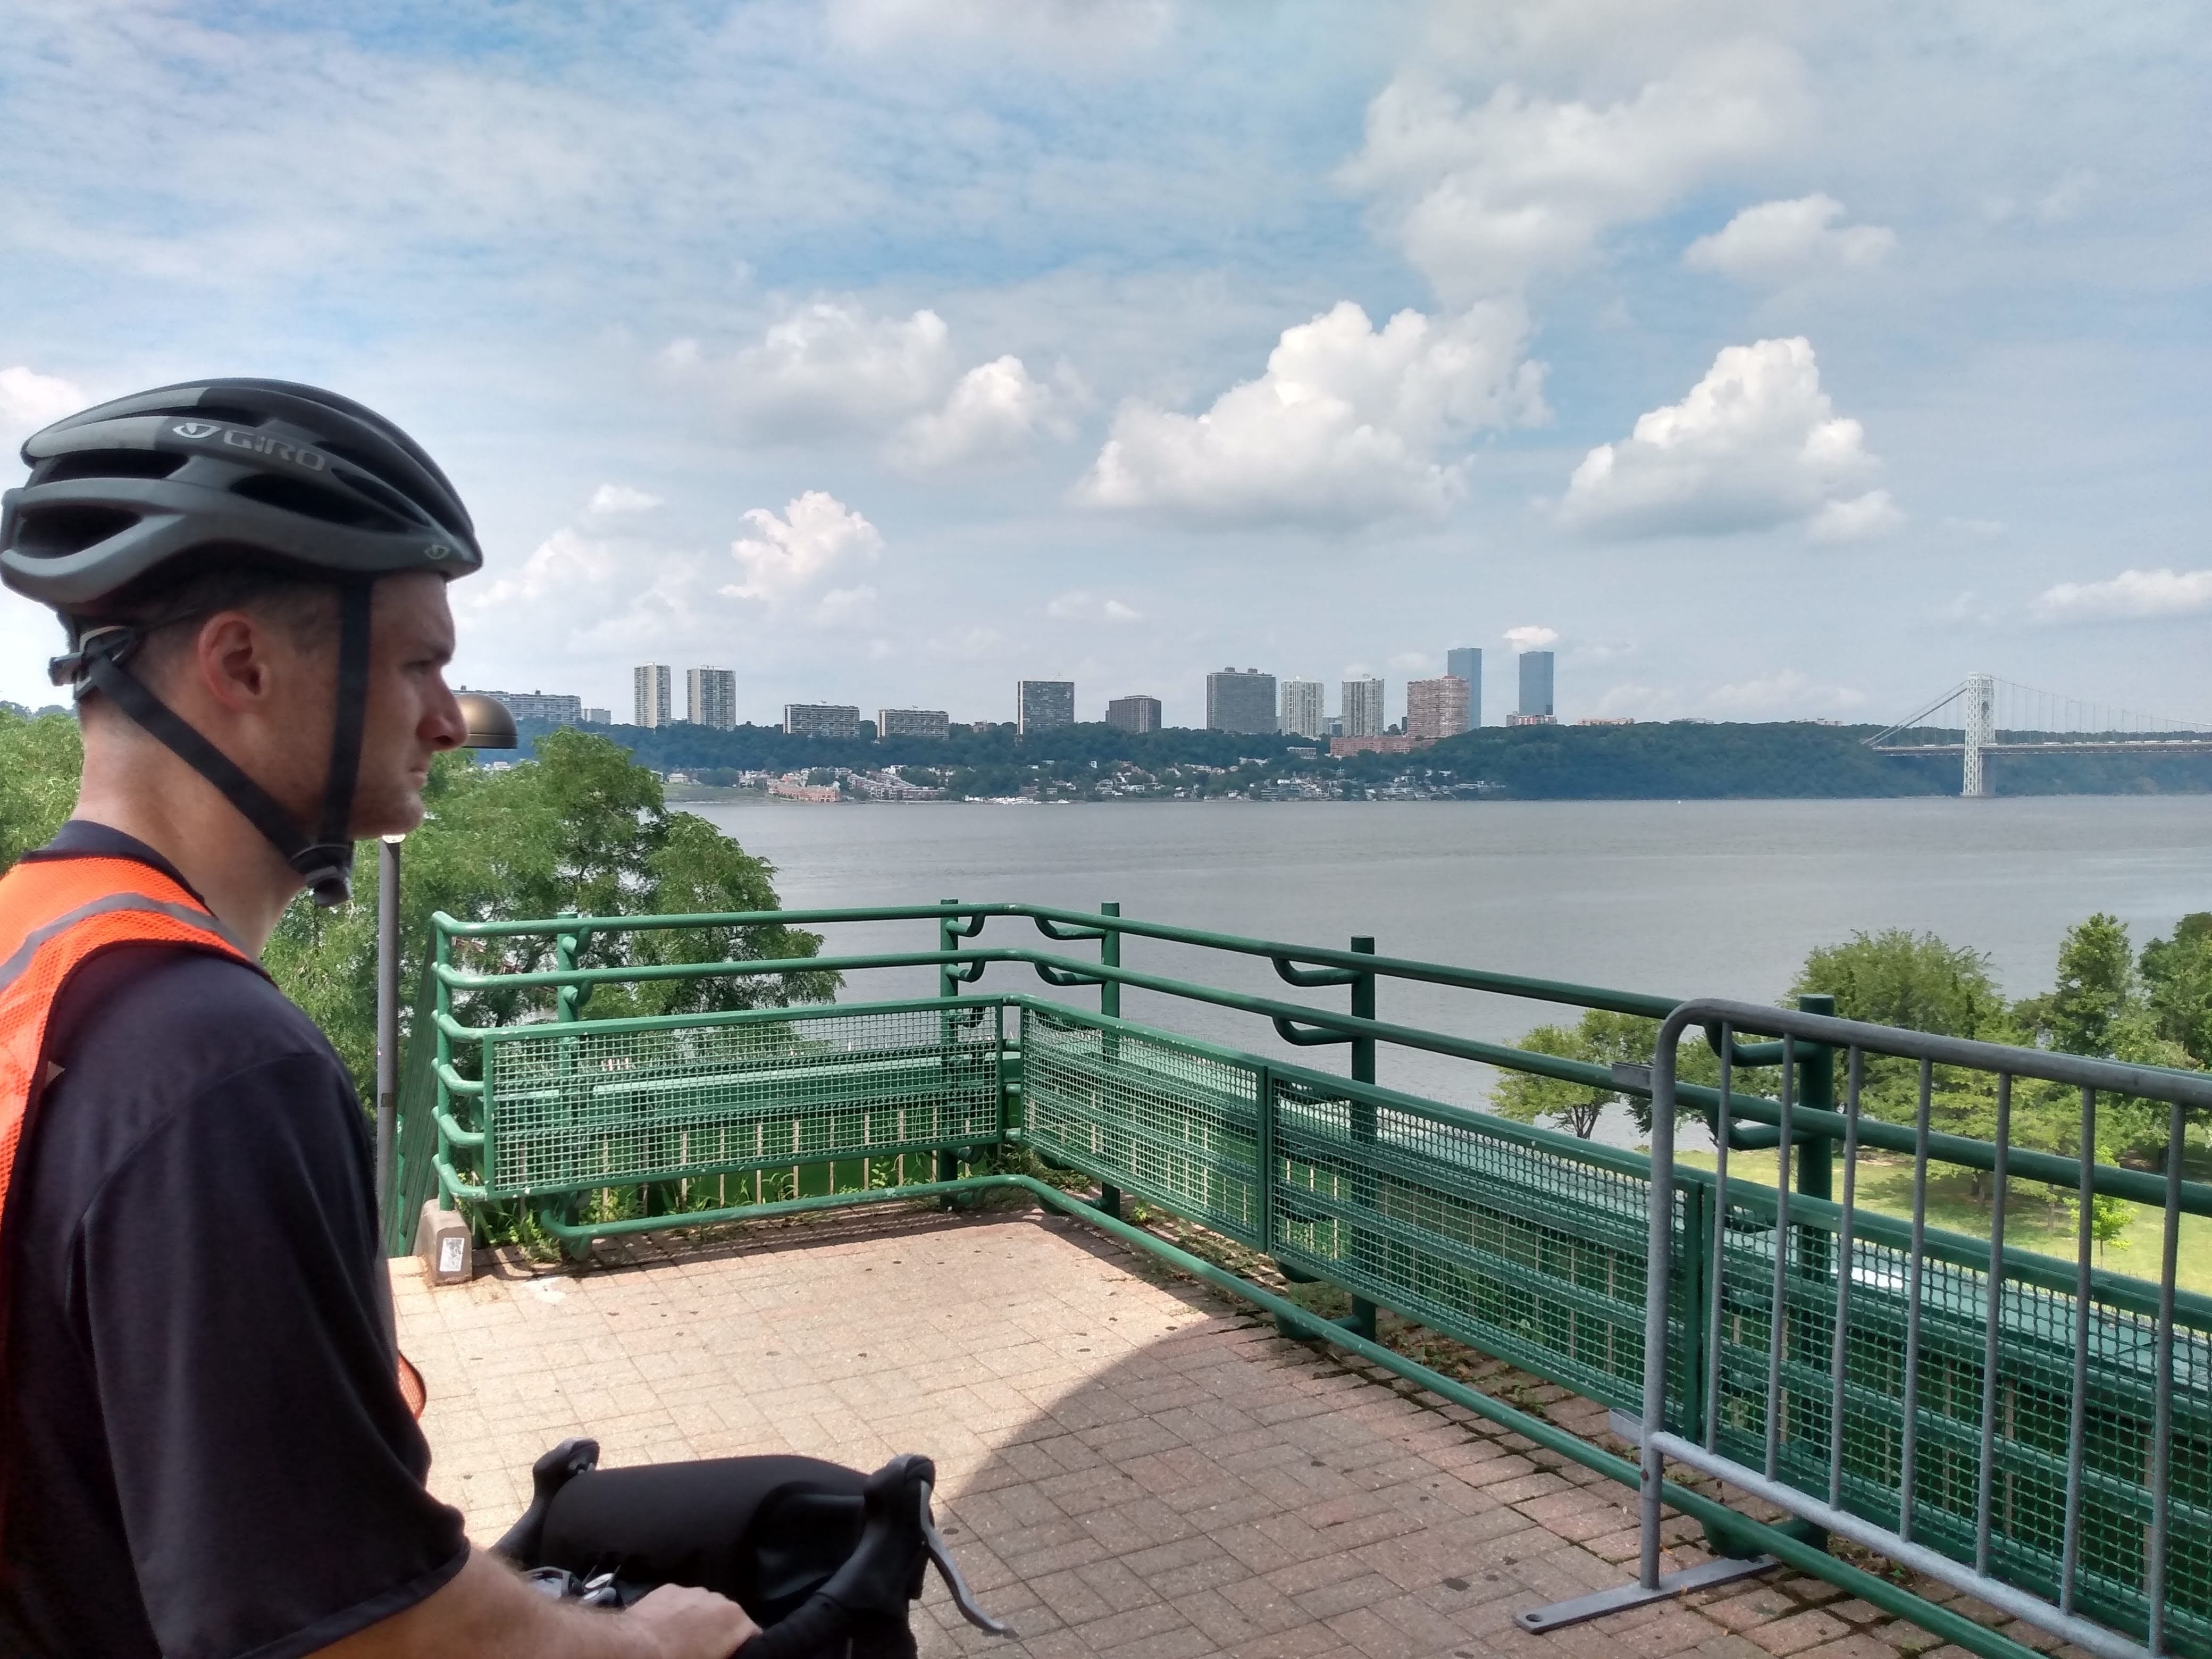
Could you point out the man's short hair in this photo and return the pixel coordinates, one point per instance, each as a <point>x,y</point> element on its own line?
<point>301,604</point>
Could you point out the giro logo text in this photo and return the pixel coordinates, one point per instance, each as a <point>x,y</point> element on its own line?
<point>260,444</point>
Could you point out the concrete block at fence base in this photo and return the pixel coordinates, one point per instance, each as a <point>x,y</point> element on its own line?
<point>442,1242</point>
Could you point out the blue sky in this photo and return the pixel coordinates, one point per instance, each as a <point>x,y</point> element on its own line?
<point>1766,361</point>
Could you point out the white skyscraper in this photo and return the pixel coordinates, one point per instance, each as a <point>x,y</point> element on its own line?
<point>1303,715</point>
<point>711,697</point>
<point>1363,707</point>
<point>652,683</point>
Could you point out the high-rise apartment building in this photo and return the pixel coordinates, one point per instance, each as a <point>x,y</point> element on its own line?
<point>1303,715</point>
<point>1240,700</point>
<point>651,682</point>
<point>1464,662</point>
<point>1436,708</point>
<point>1362,703</point>
<point>912,723</point>
<point>1041,705</point>
<point>1536,684</point>
<point>710,697</point>
<point>1138,714</point>
<point>598,717</point>
<point>822,720</point>
<point>547,705</point>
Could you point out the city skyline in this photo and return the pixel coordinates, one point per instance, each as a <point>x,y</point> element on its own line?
<point>1237,700</point>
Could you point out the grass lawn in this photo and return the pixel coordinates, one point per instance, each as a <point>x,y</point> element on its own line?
<point>2037,1218</point>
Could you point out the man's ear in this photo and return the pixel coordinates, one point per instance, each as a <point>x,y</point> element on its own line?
<point>232,660</point>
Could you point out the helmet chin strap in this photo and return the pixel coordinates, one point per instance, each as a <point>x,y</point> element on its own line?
<point>325,864</point>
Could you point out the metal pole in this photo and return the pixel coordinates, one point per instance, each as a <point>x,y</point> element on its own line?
<point>1109,1042</point>
<point>387,1022</point>
<point>1362,1320</point>
<point>1658,1285</point>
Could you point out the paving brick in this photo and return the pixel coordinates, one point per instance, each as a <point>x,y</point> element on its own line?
<point>1797,1632</point>
<point>1128,1465</point>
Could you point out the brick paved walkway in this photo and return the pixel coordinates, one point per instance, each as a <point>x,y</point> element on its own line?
<point>1129,1464</point>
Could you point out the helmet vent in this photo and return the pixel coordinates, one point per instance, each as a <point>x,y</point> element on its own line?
<point>368,483</point>
<point>55,532</point>
<point>297,495</point>
<point>110,464</point>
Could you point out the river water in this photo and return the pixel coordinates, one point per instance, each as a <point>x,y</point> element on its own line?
<point>1685,899</point>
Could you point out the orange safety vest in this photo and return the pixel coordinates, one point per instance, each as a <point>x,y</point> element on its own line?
<point>55,914</point>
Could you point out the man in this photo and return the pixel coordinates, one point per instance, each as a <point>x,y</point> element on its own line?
<point>205,1448</point>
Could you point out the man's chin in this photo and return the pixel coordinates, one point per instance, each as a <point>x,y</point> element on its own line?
<point>400,817</point>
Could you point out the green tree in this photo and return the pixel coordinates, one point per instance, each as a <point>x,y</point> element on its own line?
<point>2098,991</point>
<point>582,829</point>
<point>1599,1038</point>
<point>40,756</point>
<point>2177,975</point>
<point>1897,977</point>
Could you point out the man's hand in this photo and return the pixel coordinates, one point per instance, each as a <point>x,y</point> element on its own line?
<point>487,1612</point>
<point>694,1622</point>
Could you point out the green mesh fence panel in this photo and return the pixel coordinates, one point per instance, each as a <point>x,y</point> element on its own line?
<point>568,1107</point>
<point>2033,1401</point>
<point>1159,1118</point>
<point>1529,1254</point>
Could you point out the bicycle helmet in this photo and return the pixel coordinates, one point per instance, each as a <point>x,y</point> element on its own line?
<point>207,474</point>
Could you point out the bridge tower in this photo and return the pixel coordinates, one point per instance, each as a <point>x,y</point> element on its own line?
<point>1981,723</point>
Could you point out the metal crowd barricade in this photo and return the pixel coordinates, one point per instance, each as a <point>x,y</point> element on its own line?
<point>2030,1431</point>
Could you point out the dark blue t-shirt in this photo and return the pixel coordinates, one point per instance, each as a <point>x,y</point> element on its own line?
<point>207,1451</point>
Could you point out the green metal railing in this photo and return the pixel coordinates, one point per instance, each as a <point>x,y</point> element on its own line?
<point>1526,1245</point>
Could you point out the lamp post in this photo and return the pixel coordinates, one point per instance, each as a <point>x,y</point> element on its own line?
<point>488,726</point>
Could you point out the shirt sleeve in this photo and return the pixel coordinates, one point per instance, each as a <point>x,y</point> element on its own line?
<point>228,1283</point>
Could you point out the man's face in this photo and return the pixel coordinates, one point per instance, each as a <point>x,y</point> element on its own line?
<point>413,715</point>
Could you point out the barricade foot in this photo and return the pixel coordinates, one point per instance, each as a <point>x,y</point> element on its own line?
<point>1621,1597</point>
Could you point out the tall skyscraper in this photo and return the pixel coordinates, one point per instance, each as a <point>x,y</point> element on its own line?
<point>911,723</point>
<point>1362,702</point>
<point>1436,708</point>
<point>822,720</point>
<point>1303,715</point>
<point>1464,662</point>
<point>1139,713</point>
<point>1041,705</point>
<point>651,681</point>
<point>1536,684</point>
<point>710,697</point>
<point>1240,700</point>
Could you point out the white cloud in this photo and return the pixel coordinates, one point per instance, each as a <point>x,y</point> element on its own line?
<point>1779,242</point>
<point>2132,595</point>
<point>1756,443</point>
<point>1078,605</point>
<point>1854,520</point>
<point>620,498</point>
<point>1346,426</point>
<point>842,605</point>
<point>817,535</point>
<point>1074,30</point>
<point>1781,695</point>
<point>991,415</point>
<point>827,369</point>
<point>29,400</point>
<point>1531,638</point>
<point>1483,198</point>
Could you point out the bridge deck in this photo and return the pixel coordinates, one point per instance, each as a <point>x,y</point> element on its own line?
<point>1130,1464</point>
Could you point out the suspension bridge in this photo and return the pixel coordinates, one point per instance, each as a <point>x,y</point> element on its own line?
<point>1983,715</point>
